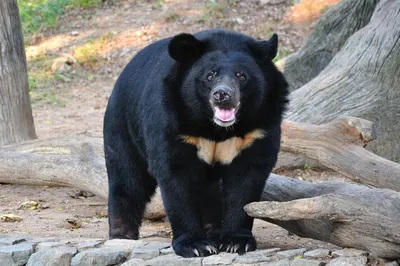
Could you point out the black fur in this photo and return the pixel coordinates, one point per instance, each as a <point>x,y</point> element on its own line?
<point>163,94</point>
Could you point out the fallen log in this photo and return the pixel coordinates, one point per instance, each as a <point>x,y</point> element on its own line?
<point>341,213</point>
<point>339,145</point>
<point>353,216</point>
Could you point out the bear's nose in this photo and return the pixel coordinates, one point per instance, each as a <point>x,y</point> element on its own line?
<point>222,94</point>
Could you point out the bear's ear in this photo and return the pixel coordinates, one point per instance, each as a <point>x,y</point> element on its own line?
<point>269,48</point>
<point>185,47</point>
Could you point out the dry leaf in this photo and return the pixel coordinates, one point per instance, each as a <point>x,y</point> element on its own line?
<point>30,205</point>
<point>9,218</point>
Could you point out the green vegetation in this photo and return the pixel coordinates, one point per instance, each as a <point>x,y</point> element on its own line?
<point>89,53</point>
<point>48,97</point>
<point>308,166</point>
<point>38,15</point>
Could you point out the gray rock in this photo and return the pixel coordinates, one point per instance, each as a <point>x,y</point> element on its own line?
<point>15,254</point>
<point>305,262</point>
<point>291,253</point>
<point>133,262</point>
<point>126,244</point>
<point>52,257</point>
<point>144,253</point>
<point>87,245</point>
<point>220,259</point>
<point>284,262</point>
<point>158,245</point>
<point>48,245</point>
<point>76,241</point>
<point>349,252</point>
<point>252,257</point>
<point>100,257</point>
<point>266,252</point>
<point>38,240</point>
<point>174,260</point>
<point>11,240</point>
<point>317,253</point>
<point>167,251</point>
<point>345,261</point>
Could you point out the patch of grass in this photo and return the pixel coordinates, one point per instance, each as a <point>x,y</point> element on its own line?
<point>308,166</point>
<point>40,73</point>
<point>48,97</point>
<point>89,53</point>
<point>85,3</point>
<point>38,15</point>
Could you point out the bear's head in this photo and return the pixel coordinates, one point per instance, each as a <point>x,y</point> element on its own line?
<point>229,78</point>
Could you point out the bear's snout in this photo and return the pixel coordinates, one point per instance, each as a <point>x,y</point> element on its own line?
<point>225,102</point>
<point>222,94</point>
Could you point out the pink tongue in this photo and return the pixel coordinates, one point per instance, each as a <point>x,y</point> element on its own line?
<point>224,114</point>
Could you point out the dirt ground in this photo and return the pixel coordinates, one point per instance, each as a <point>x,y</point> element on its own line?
<point>74,103</point>
<point>60,209</point>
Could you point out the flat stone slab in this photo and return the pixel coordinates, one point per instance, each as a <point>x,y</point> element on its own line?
<point>252,258</point>
<point>317,253</point>
<point>48,245</point>
<point>127,244</point>
<point>145,253</point>
<point>220,259</point>
<point>167,251</point>
<point>133,262</point>
<point>306,262</point>
<point>282,262</point>
<point>291,253</point>
<point>13,240</point>
<point>174,260</point>
<point>58,256</point>
<point>87,245</point>
<point>100,257</point>
<point>346,261</point>
<point>15,255</point>
<point>84,251</point>
<point>349,252</point>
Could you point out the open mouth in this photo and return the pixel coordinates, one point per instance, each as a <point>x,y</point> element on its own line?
<point>223,116</point>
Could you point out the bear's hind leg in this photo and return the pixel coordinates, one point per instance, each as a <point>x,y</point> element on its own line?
<point>130,189</point>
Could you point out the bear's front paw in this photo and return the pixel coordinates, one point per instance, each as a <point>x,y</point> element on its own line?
<point>189,247</point>
<point>238,242</point>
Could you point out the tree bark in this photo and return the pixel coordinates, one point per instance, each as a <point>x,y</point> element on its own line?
<point>344,214</point>
<point>362,80</point>
<point>16,121</point>
<point>339,146</point>
<point>327,38</point>
<point>79,162</point>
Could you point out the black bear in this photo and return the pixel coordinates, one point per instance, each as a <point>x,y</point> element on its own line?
<point>199,116</point>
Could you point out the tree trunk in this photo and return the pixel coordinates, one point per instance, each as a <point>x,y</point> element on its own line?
<point>339,146</point>
<point>16,121</point>
<point>341,213</point>
<point>362,80</point>
<point>327,38</point>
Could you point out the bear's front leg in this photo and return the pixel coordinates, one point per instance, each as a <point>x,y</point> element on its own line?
<point>180,189</point>
<point>242,185</point>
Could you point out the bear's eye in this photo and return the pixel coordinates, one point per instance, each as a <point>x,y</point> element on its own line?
<point>211,75</point>
<point>241,76</point>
